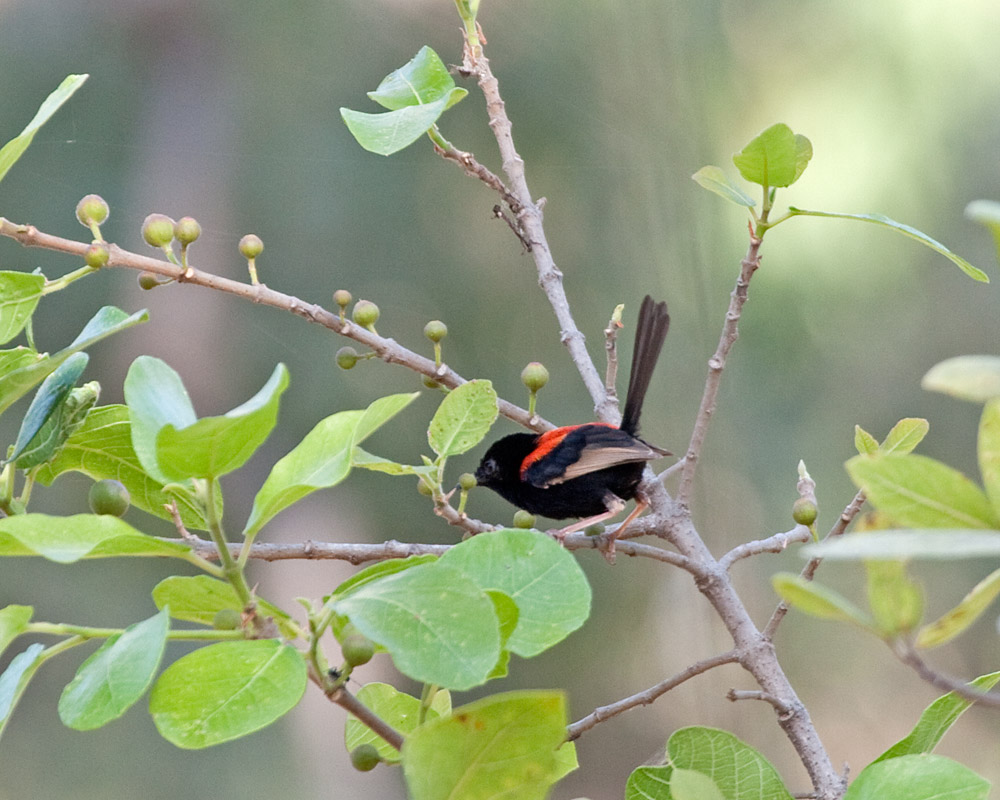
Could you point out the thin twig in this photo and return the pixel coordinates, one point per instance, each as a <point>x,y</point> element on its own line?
<point>772,544</point>
<point>644,698</point>
<point>908,655</point>
<point>611,348</point>
<point>780,705</point>
<point>351,704</point>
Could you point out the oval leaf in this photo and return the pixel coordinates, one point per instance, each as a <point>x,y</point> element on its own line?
<point>225,691</point>
<point>19,295</point>
<point>649,783</point>
<point>986,213</point>
<point>423,79</point>
<point>818,600</point>
<point>988,446</point>
<point>975,378</point>
<point>687,784</point>
<point>463,418</point>
<point>13,622</point>
<point>46,404</point>
<point>936,543</point>
<point>775,157</point>
<point>918,777</point>
<point>715,180</point>
<point>14,679</point>
<point>401,711</point>
<point>392,131</point>
<point>950,625</point>
<point>905,436</point>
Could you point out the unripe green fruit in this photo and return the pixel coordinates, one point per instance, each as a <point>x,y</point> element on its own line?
<point>92,208</point>
<point>435,330</point>
<point>347,357</point>
<point>804,511</point>
<point>109,497</point>
<point>251,246</point>
<point>158,230</point>
<point>365,757</point>
<point>227,619</point>
<point>523,519</point>
<point>534,376</point>
<point>97,255</point>
<point>425,489</point>
<point>187,230</point>
<point>357,649</point>
<point>365,313</point>
<point>147,281</point>
<point>429,382</point>
<point>342,298</point>
<point>467,481</point>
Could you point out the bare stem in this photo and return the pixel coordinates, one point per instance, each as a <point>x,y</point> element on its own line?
<point>909,656</point>
<point>772,544</point>
<point>352,705</point>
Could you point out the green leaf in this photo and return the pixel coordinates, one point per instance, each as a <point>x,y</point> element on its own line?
<point>424,79</point>
<point>737,769</point>
<point>322,459</point>
<point>539,575</point>
<point>986,213</point>
<point>464,417</point>
<point>880,219</point>
<point>109,682</point>
<point>937,718</point>
<point>13,622</point>
<point>15,148</point>
<point>400,711</point>
<point>938,544</point>
<point>920,492</point>
<point>47,405</point>
<point>376,571</point>
<point>19,295</point>
<point>102,448</point>
<point>715,180</point>
<point>15,678</point>
<point>649,783</point>
<point>864,442</point>
<point>975,378</point>
<point>989,452</point>
<point>905,436</point>
<point>507,615</point>
<point>362,458</point>
<point>215,446</point>
<point>506,740</point>
<point>775,157</point>
<point>818,600</point>
<point>897,602</point>
<point>25,368</point>
<point>198,598</point>
<point>687,784</point>
<point>438,626</point>
<point>918,777</point>
<point>956,621</point>
<point>227,690</point>
<point>68,539</point>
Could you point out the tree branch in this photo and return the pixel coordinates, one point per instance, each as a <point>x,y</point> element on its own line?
<point>906,653</point>
<point>352,705</point>
<point>772,544</point>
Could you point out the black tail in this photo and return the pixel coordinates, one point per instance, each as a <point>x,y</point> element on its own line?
<point>650,331</point>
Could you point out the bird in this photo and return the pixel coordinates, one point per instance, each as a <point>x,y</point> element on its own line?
<point>590,470</point>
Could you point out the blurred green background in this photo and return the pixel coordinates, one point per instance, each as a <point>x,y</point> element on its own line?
<point>228,111</point>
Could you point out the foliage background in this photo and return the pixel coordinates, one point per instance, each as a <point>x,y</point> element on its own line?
<point>228,111</point>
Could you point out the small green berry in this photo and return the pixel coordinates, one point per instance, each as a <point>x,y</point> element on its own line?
<point>429,382</point>
<point>467,481</point>
<point>425,489</point>
<point>342,298</point>
<point>97,255</point>
<point>227,619</point>
<point>435,330</point>
<point>158,230</point>
<point>109,497</point>
<point>357,649</point>
<point>187,230</point>
<point>365,757</point>
<point>534,376</point>
<point>148,280</point>
<point>365,313</point>
<point>523,519</point>
<point>804,511</point>
<point>347,357</point>
<point>92,209</point>
<point>251,246</point>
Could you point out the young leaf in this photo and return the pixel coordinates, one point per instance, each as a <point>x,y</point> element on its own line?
<point>986,213</point>
<point>897,602</point>
<point>975,378</point>
<point>989,452</point>
<point>920,492</point>
<point>463,418</point>
<point>13,622</point>
<point>68,539</point>
<point>215,446</point>
<point>47,404</point>
<point>401,711</point>
<point>102,448</point>
<point>438,626</point>
<point>950,625</point>
<point>423,79</point>
<point>15,148</point>
<point>509,740</point>
<point>715,180</point>
<point>937,718</point>
<point>109,682</point>
<point>917,777</point>
<point>938,543</point>
<point>880,219</point>
<point>649,783</point>
<point>905,436</point>
<point>775,157</point>
<point>19,295</point>
<point>14,679</point>
<point>736,768</point>
<point>864,442</point>
<point>227,690</point>
<point>818,600</point>
<point>539,575</point>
